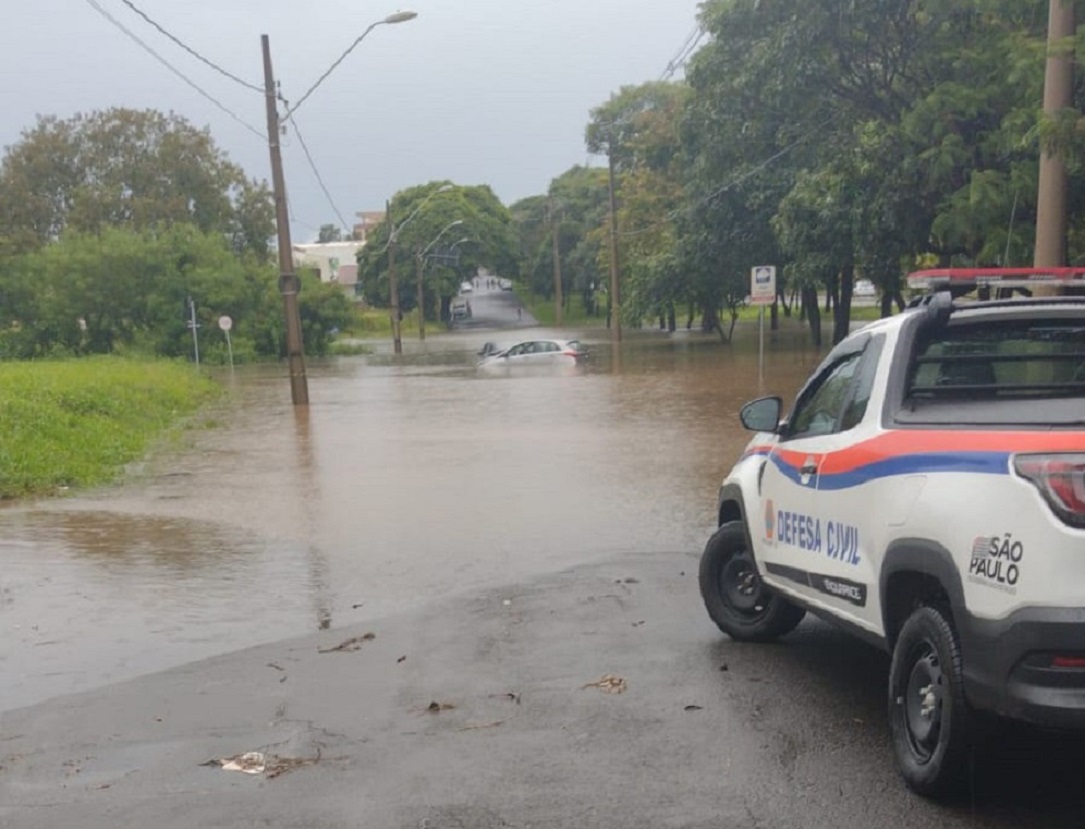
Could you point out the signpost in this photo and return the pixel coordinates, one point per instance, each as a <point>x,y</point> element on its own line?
<point>193,325</point>
<point>225,323</point>
<point>762,293</point>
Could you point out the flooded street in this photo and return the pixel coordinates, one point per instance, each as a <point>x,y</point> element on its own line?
<point>404,481</point>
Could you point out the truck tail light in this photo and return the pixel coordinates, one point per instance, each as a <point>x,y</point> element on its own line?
<point>1067,661</point>
<point>1060,479</point>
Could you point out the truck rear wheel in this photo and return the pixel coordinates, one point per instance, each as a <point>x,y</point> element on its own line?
<point>928,716</point>
<point>733,594</point>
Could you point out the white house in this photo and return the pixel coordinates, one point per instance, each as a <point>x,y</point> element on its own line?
<point>336,262</point>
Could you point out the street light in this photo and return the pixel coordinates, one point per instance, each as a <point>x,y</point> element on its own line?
<point>288,280</point>
<point>393,239</point>
<point>397,17</point>
<point>419,267</point>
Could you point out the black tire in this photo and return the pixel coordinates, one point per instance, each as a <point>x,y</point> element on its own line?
<point>929,718</point>
<point>733,593</point>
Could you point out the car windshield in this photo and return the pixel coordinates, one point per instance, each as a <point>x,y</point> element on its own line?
<point>1035,358</point>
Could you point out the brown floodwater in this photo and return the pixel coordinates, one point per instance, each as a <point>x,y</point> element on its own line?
<point>403,480</point>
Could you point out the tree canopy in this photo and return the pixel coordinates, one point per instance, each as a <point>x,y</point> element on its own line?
<point>833,139</point>
<point>126,168</point>
<point>459,228</point>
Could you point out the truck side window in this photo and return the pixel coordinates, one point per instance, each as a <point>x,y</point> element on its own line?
<point>864,385</point>
<point>822,407</point>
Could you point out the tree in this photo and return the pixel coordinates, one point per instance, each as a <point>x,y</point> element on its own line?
<point>126,168</point>
<point>576,203</point>
<point>868,135</point>
<point>330,233</point>
<point>419,215</point>
<point>122,290</point>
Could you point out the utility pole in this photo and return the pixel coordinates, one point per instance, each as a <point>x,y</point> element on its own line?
<point>559,299</point>
<point>615,299</point>
<point>419,268</point>
<point>288,280</point>
<point>393,286</point>
<point>1051,197</point>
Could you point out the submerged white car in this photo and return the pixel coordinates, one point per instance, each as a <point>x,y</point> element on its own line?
<point>536,353</point>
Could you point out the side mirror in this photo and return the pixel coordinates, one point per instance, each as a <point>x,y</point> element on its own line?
<point>762,415</point>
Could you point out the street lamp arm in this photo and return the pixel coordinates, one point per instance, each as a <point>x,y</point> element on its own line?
<point>437,238</point>
<point>398,17</point>
<point>393,233</point>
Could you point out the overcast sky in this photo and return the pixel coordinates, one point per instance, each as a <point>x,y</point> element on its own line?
<point>476,91</point>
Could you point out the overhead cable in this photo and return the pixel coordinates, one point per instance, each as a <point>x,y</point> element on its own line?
<point>316,173</point>
<point>673,214</point>
<point>192,51</point>
<point>98,8</point>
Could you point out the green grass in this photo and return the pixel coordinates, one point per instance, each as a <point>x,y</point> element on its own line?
<point>376,324</point>
<point>76,423</point>
<point>543,309</point>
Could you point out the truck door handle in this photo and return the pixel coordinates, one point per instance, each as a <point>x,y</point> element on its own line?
<point>809,469</point>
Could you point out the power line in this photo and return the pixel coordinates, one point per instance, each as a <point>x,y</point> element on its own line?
<point>688,47</point>
<point>673,214</point>
<point>192,51</point>
<point>316,172</point>
<point>98,8</point>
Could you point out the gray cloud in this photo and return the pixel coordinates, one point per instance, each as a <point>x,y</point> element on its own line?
<point>480,92</point>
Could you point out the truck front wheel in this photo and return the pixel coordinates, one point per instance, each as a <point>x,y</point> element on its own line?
<point>733,594</point>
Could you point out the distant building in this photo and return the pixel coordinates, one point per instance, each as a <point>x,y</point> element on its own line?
<point>367,220</point>
<point>336,261</point>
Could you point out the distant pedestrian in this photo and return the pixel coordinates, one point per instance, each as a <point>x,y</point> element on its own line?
<point>519,313</point>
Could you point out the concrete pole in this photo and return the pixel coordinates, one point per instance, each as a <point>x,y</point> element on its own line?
<point>559,299</point>
<point>420,267</point>
<point>1051,196</point>
<point>288,280</point>
<point>393,286</point>
<point>615,298</point>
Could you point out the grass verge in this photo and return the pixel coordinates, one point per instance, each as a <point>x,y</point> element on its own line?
<point>76,423</point>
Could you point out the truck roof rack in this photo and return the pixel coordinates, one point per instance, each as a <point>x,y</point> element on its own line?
<point>1001,281</point>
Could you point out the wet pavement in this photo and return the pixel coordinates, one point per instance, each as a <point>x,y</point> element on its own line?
<point>406,480</point>
<point>508,540</point>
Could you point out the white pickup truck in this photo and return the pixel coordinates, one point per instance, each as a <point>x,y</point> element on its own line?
<point>927,492</point>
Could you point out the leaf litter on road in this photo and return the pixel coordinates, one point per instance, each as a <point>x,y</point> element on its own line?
<point>608,684</point>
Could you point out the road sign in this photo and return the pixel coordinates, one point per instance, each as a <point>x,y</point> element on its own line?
<point>225,323</point>
<point>763,285</point>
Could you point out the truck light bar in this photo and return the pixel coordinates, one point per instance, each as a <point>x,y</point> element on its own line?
<point>964,279</point>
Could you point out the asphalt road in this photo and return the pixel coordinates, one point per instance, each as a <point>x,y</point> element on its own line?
<point>596,697</point>
<point>492,308</point>
<point>490,708</point>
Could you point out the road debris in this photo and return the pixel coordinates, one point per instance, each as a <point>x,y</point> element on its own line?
<point>401,659</point>
<point>256,762</point>
<point>437,707</point>
<point>608,684</point>
<point>493,724</point>
<point>693,708</point>
<point>251,762</point>
<point>351,644</point>
<point>509,695</point>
